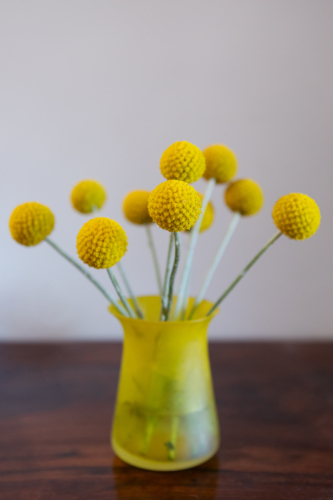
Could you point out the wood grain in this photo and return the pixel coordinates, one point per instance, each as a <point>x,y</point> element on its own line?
<point>275,404</point>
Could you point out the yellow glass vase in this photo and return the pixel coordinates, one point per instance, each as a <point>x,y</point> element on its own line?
<point>165,417</point>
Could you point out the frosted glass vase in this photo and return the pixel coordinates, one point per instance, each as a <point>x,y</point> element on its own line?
<point>165,416</point>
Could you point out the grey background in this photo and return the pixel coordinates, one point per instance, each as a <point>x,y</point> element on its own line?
<point>98,89</point>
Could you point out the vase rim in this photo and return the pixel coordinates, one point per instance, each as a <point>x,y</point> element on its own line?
<point>121,317</point>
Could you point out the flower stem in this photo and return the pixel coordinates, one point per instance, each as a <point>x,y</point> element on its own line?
<point>167,279</point>
<point>87,275</point>
<point>245,270</point>
<point>215,262</point>
<point>154,255</point>
<point>182,298</point>
<point>129,290</point>
<point>120,293</point>
<point>171,445</point>
<point>173,274</point>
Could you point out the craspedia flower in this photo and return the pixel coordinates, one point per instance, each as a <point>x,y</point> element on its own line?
<point>30,223</point>
<point>174,206</point>
<point>296,215</point>
<point>135,207</point>
<point>88,195</point>
<point>182,161</point>
<point>101,243</point>
<point>221,163</point>
<point>208,217</point>
<point>244,196</point>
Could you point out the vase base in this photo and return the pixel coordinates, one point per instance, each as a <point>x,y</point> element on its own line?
<point>144,463</point>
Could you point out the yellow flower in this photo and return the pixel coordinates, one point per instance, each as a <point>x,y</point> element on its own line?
<point>296,215</point>
<point>182,161</point>
<point>135,207</point>
<point>174,206</point>
<point>221,163</point>
<point>88,195</point>
<point>208,217</point>
<point>244,196</point>
<point>30,223</point>
<point>101,243</point>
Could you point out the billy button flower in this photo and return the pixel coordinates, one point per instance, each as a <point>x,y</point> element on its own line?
<point>182,161</point>
<point>175,206</point>
<point>297,216</point>
<point>221,163</point>
<point>135,208</point>
<point>244,196</point>
<point>31,223</point>
<point>101,243</point>
<point>88,196</point>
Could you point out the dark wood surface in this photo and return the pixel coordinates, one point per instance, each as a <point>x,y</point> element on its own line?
<point>275,404</point>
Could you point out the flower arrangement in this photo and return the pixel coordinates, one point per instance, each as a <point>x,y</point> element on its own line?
<point>166,417</point>
<point>175,206</point>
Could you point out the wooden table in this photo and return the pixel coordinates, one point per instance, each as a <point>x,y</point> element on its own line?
<point>275,405</point>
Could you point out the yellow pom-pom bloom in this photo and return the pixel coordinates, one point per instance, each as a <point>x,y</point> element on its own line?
<point>87,196</point>
<point>31,223</point>
<point>101,243</point>
<point>182,161</point>
<point>296,215</point>
<point>208,217</point>
<point>244,196</point>
<point>135,207</point>
<point>221,163</point>
<point>174,206</point>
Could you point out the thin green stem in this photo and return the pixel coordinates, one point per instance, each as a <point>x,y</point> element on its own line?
<point>187,292</point>
<point>187,289</point>
<point>245,270</point>
<point>173,274</point>
<point>87,275</point>
<point>155,260</point>
<point>194,238</point>
<point>129,290</point>
<point>120,293</point>
<point>164,305</point>
<point>223,245</point>
<point>171,445</point>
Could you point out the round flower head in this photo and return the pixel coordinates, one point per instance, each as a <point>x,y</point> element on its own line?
<point>135,207</point>
<point>101,243</point>
<point>182,161</point>
<point>174,206</point>
<point>208,217</point>
<point>296,215</point>
<point>244,196</point>
<point>87,196</point>
<point>31,223</point>
<point>221,163</point>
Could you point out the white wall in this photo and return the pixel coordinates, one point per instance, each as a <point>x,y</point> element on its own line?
<point>99,88</point>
